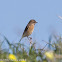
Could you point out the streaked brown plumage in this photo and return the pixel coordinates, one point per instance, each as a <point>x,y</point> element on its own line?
<point>29,28</point>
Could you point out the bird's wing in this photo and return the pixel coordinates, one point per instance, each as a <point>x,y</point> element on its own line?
<point>26,28</point>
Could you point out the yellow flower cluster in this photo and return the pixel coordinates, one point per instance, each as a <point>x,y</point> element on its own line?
<point>12,57</point>
<point>49,55</point>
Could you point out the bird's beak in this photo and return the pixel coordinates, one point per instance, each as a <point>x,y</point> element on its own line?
<point>36,22</point>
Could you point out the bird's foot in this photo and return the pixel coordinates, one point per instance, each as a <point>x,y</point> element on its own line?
<point>29,38</point>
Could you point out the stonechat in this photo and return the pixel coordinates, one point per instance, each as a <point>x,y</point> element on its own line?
<point>29,29</point>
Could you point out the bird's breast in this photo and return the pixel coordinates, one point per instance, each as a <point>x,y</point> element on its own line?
<point>31,28</point>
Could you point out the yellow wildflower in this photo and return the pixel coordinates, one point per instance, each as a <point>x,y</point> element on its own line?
<point>49,55</point>
<point>12,57</point>
<point>1,61</point>
<point>23,60</point>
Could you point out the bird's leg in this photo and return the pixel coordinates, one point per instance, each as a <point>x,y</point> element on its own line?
<point>30,40</point>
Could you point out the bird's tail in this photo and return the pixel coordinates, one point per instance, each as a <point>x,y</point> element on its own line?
<point>21,39</point>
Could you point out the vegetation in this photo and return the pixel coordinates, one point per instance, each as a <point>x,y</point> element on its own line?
<point>52,52</point>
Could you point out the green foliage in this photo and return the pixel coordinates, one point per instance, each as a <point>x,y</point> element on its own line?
<point>33,54</point>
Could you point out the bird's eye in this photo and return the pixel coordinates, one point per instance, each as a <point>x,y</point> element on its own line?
<point>33,22</point>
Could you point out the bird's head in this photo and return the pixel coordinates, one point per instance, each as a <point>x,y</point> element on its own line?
<point>33,21</point>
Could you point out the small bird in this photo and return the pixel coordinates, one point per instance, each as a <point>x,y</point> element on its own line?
<point>29,29</point>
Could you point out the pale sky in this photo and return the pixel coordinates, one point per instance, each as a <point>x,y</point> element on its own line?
<point>15,14</point>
